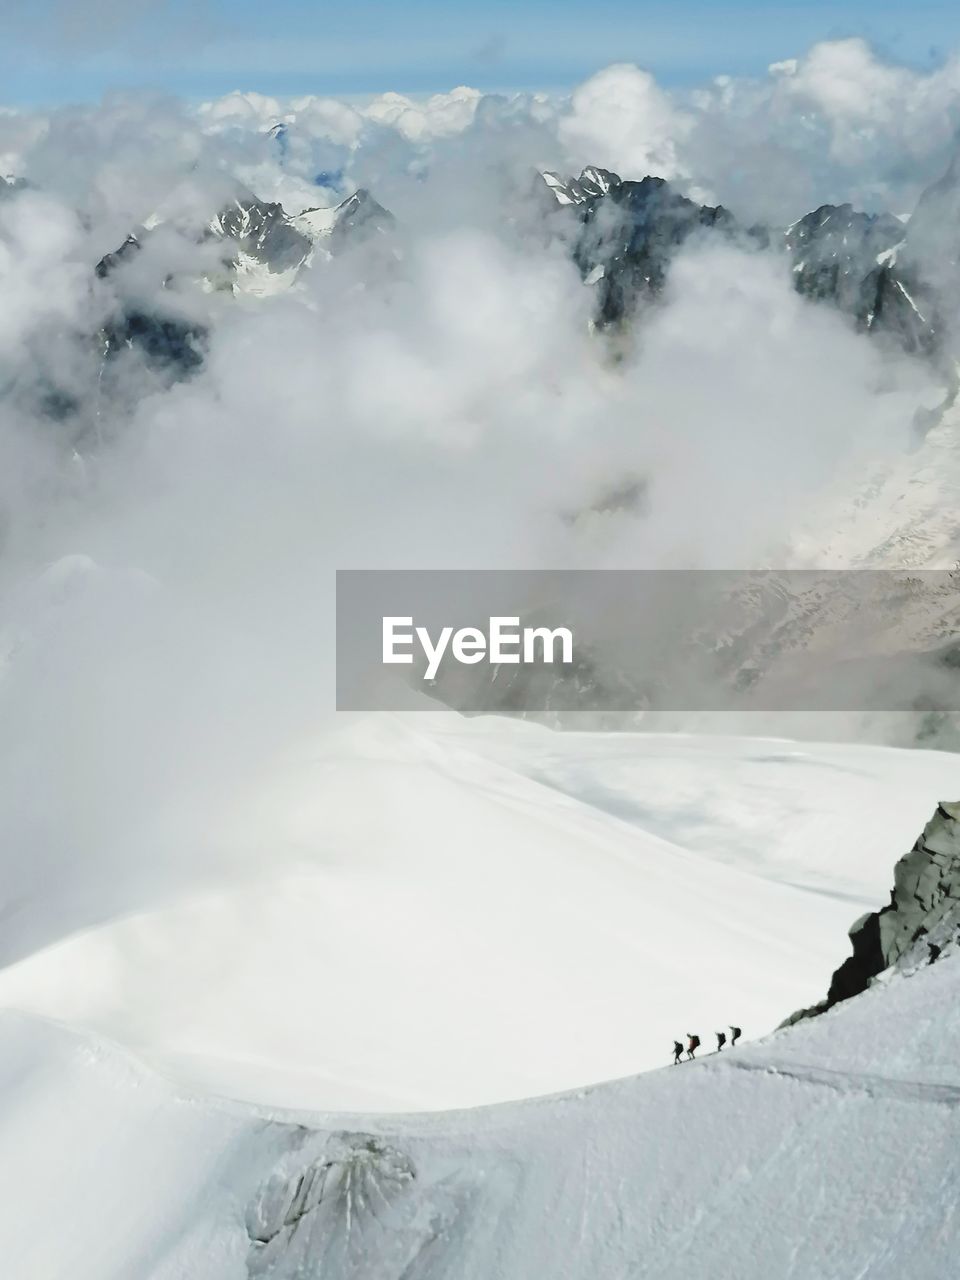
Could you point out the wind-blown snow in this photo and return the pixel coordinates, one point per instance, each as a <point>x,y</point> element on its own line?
<point>449,913</point>
<point>828,1150</point>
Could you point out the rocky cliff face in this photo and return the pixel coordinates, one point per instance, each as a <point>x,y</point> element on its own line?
<point>262,251</point>
<point>920,923</point>
<point>890,277</point>
<point>858,262</point>
<point>626,234</point>
<point>861,263</point>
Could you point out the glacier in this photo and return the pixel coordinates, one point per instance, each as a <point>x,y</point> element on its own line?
<point>425,912</point>
<point>182,1094</point>
<point>824,1150</point>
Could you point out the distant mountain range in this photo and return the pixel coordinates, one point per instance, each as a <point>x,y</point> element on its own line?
<point>263,251</point>
<point>625,235</point>
<point>892,277</point>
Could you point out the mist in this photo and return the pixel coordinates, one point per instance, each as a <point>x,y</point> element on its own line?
<point>169,545</point>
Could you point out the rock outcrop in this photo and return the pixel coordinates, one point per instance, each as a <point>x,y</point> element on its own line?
<point>921,920</point>
<point>354,1206</point>
<point>625,235</point>
<point>857,261</point>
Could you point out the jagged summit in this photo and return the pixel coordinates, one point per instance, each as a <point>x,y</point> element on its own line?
<point>864,264</point>
<point>262,231</point>
<point>264,246</point>
<point>357,216</point>
<point>858,262</point>
<point>628,233</point>
<point>110,261</point>
<point>263,251</point>
<point>592,182</point>
<point>623,235</point>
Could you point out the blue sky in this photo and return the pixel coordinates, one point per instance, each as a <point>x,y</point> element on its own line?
<point>67,50</point>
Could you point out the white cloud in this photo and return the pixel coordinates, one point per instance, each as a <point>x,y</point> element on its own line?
<point>253,111</point>
<point>846,81</point>
<point>867,101</point>
<point>439,116</point>
<point>451,410</point>
<point>621,119</point>
<point>327,118</point>
<point>837,124</point>
<point>43,279</point>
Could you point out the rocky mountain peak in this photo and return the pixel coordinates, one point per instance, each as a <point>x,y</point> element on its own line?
<point>920,922</point>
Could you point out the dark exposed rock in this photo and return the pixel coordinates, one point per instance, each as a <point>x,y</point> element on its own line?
<point>623,236</point>
<point>896,302</point>
<point>835,248</point>
<point>629,234</point>
<point>862,263</point>
<point>110,261</point>
<point>918,922</point>
<point>592,182</point>
<point>649,225</point>
<point>629,495</point>
<point>358,217</point>
<point>247,226</point>
<point>254,233</point>
<point>166,342</point>
<point>857,261</point>
<point>263,231</point>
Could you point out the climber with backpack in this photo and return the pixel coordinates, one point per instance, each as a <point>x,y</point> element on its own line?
<point>677,1052</point>
<point>693,1044</point>
<point>721,1040</point>
<point>735,1034</point>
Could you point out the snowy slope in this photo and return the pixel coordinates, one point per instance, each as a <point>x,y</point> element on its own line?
<point>897,511</point>
<point>448,912</point>
<point>828,1150</point>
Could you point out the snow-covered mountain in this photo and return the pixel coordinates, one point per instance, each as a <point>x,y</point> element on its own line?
<point>860,262</point>
<point>622,233</point>
<point>825,1150</point>
<point>357,216</point>
<point>761,1161</point>
<point>251,960</point>
<point>868,265</point>
<point>592,182</point>
<point>501,876</point>
<point>261,250</point>
<point>264,250</point>
<point>272,246</point>
<point>258,235</point>
<point>623,236</point>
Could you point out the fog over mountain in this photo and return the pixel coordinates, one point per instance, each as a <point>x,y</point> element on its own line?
<point>248,342</point>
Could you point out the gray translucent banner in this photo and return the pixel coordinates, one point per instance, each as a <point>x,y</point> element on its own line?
<point>492,641</point>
